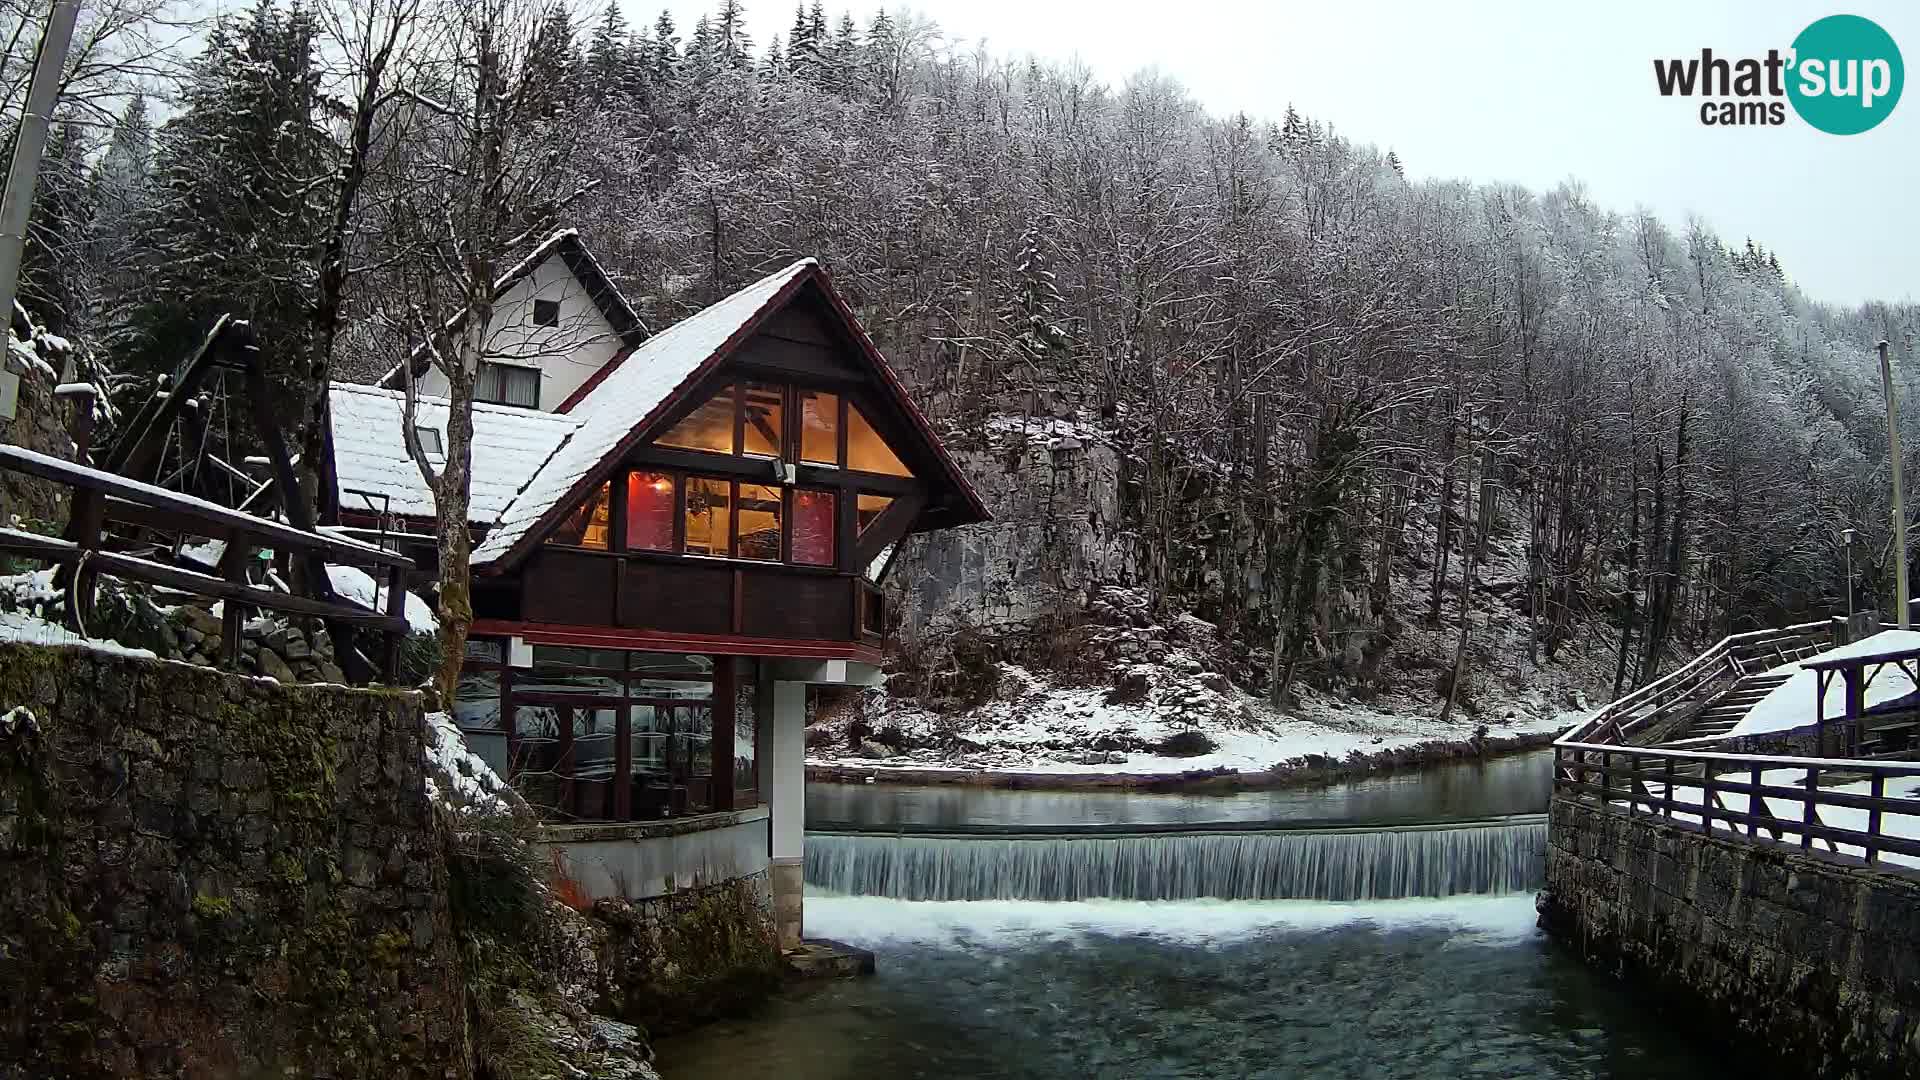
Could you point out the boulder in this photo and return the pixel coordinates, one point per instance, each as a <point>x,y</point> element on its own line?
<point>871,749</point>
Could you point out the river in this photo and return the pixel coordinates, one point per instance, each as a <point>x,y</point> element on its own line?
<point>1452,980</point>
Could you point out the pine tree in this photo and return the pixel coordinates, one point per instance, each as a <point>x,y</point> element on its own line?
<point>609,57</point>
<point>663,60</point>
<point>839,57</point>
<point>553,65</point>
<point>1393,162</point>
<point>237,217</point>
<point>733,47</point>
<point>1034,317</point>
<point>803,49</point>
<point>122,189</point>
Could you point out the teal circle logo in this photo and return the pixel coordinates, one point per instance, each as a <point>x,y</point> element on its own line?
<point>1846,76</point>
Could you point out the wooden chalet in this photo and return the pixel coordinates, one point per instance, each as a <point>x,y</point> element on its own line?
<point>676,534</point>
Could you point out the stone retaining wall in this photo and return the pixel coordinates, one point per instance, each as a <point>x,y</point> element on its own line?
<point>1813,958</point>
<point>206,875</point>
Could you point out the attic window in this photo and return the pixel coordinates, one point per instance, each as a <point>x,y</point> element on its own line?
<point>430,442</point>
<point>546,313</point>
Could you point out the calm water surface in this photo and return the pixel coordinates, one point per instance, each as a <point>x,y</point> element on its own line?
<point>1515,784</point>
<point>1441,988</point>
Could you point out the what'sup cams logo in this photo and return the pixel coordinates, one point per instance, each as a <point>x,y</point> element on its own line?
<point>1843,75</point>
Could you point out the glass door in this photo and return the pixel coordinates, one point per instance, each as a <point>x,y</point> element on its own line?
<point>565,755</point>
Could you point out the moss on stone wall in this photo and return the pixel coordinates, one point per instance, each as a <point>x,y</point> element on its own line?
<point>209,875</point>
<point>672,962</point>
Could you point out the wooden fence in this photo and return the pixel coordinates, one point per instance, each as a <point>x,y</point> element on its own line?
<point>1664,782</point>
<point>102,497</point>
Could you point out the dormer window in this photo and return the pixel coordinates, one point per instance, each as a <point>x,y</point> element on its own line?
<point>430,442</point>
<point>546,313</point>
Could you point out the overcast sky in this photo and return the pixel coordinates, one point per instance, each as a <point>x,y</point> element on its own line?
<point>1508,90</point>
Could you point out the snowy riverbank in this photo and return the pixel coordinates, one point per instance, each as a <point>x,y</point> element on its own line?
<point>1189,729</point>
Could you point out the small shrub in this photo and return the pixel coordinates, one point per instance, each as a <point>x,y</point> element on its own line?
<point>1186,744</point>
<point>494,884</point>
<point>892,738</point>
<point>858,731</point>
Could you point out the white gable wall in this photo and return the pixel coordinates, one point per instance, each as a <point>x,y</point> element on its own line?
<point>567,354</point>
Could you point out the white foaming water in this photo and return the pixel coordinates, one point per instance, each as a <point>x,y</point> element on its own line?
<point>875,922</point>
<point>1386,864</point>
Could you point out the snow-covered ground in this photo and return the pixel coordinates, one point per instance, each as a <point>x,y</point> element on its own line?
<point>1035,726</point>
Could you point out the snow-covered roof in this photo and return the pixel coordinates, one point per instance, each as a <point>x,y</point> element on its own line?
<point>1791,704</point>
<point>625,399</point>
<point>370,454</point>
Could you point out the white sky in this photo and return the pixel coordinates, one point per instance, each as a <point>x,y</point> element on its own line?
<point>1505,90</point>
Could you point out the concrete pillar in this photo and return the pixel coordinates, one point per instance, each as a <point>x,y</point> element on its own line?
<point>786,800</point>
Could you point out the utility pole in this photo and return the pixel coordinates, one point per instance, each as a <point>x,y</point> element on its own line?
<point>24,171</point>
<point>1901,598</point>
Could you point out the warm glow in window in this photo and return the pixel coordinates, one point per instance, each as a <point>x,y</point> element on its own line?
<point>819,428</point>
<point>589,524</point>
<point>649,511</point>
<point>762,434</point>
<point>709,516</point>
<point>709,427</point>
<point>867,451</point>
<point>866,509</point>
<point>759,522</point>
<point>813,525</point>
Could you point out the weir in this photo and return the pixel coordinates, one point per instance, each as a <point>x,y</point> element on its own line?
<point>1306,862</point>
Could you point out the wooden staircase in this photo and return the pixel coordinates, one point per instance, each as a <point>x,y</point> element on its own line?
<point>1724,710</point>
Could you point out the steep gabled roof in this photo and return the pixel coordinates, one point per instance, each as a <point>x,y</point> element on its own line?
<point>586,270</point>
<point>369,453</point>
<point>635,391</point>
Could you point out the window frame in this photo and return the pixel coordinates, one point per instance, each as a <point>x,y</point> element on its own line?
<point>721,702</point>
<point>792,425</point>
<point>538,379</point>
<point>542,305</point>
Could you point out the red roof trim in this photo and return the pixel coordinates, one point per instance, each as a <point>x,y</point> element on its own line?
<point>612,637</point>
<point>599,376</point>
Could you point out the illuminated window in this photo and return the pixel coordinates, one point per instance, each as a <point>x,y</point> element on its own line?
<point>709,516</point>
<point>867,508</point>
<point>819,428</point>
<point>762,432</point>
<point>759,509</point>
<point>709,427</point>
<point>589,524</point>
<point>649,511</point>
<point>867,451</point>
<point>813,525</point>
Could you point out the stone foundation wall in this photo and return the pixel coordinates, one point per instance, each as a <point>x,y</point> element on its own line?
<point>678,960</point>
<point>207,875</point>
<point>1814,959</point>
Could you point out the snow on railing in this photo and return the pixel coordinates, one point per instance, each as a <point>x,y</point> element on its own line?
<point>1860,808</point>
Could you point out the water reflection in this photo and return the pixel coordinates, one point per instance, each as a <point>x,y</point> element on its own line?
<point>1516,784</point>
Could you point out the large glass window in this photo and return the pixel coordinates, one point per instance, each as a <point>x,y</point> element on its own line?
<point>709,516</point>
<point>759,508</point>
<point>746,721</point>
<point>649,511</point>
<point>819,427</point>
<point>589,525</point>
<point>761,431</point>
<point>814,515</point>
<point>867,451</point>
<point>709,427</point>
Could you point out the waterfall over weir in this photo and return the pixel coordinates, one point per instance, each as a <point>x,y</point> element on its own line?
<point>1310,863</point>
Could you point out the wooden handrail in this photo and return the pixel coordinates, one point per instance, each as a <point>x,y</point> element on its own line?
<point>1649,768</point>
<point>1682,681</point>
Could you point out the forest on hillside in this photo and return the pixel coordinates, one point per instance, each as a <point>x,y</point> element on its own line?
<point>1302,358</point>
